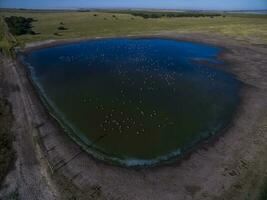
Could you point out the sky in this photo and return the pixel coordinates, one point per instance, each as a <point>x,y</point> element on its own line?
<point>157,4</point>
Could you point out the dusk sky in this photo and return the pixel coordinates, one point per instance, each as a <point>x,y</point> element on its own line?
<point>164,4</point>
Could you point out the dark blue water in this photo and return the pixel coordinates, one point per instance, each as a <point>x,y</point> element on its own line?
<point>135,101</point>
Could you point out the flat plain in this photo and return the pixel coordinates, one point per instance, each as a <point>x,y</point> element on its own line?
<point>246,27</point>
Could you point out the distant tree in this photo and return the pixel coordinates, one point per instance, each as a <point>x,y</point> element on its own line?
<point>148,14</point>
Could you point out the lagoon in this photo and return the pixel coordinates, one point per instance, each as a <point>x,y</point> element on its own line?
<point>135,101</point>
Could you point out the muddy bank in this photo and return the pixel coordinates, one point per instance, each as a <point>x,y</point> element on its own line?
<point>224,170</point>
<point>27,179</point>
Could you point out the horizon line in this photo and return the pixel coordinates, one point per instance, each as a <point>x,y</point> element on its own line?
<point>128,8</point>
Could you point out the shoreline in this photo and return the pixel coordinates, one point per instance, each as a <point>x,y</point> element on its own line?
<point>193,170</point>
<point>29,47</point>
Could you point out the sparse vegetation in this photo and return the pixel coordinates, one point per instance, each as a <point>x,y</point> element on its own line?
<point>13,195</point>
<point>6,151</point>
<point>263,191</point>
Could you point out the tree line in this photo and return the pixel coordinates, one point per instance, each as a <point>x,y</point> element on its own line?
<point>19,25</point>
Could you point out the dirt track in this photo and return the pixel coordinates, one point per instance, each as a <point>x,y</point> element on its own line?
<point>232,168</point>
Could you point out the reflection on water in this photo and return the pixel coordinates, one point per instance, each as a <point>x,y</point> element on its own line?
<point>136,101</point>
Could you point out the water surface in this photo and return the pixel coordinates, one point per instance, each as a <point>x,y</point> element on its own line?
<point>135,101</point>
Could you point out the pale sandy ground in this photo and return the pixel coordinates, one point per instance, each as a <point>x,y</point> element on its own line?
<point>50,166</point>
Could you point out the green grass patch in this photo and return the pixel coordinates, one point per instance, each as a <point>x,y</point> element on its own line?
<point>249,28</point>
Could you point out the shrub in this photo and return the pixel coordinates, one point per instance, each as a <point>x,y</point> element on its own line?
<point>62,28</point>
<point>57,34</point>
<point>19,25</point>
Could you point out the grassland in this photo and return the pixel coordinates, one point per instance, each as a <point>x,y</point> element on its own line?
<point>250,28</point>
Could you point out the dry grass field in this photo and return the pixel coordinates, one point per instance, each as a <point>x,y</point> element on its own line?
<point>251,28</point>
